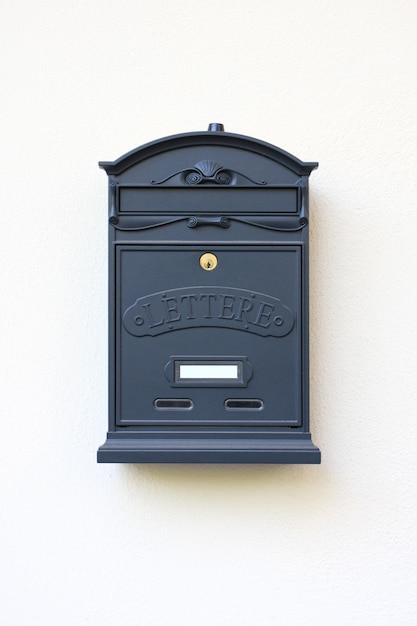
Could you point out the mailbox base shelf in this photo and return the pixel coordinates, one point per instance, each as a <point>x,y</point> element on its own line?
<point>214,450</point>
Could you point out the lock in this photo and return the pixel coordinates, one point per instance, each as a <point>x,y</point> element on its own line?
<point>208,261</point>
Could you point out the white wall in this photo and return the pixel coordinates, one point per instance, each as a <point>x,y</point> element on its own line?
<point>82,543</point>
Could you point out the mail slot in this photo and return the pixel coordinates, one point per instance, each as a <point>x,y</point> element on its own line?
<point>208,303</point>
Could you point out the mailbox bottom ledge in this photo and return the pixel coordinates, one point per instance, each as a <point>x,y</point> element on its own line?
<point>193,450</point>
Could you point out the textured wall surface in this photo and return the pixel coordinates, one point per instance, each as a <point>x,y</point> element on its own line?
<point>128,545</point>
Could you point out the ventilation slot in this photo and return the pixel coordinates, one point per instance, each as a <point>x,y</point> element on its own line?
<point>173,403</point>
<point>237,404</point>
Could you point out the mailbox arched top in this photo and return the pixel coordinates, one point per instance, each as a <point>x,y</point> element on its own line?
<point>208,138</point>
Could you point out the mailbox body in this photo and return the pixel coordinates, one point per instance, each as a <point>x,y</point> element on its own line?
<point>208,303</point>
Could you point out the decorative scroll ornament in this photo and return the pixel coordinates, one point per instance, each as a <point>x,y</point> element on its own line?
<point>145,222</point>
<point>208,171</point>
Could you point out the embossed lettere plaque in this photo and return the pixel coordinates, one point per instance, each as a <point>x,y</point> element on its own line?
<point>194,307</point>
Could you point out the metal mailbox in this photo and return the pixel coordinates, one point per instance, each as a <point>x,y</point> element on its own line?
<point>208,303</point>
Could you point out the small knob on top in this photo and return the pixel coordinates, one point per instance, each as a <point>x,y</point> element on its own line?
<point>215,127</point>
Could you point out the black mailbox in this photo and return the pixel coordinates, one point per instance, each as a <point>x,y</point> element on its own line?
<point>208,262</point>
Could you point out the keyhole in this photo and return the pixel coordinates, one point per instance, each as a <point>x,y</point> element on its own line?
<point>208,261</point>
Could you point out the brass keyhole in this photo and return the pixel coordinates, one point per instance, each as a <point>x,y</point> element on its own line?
<point>208,261</point>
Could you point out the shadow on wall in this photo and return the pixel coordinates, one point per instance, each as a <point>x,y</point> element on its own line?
<point>320,291</point>
<point>298,487</point>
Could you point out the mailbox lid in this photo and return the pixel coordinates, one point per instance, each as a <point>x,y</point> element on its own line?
<point>207,172</point>
<point>138,158</point>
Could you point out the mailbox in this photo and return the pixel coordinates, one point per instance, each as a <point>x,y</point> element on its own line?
<point>208,303</point>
